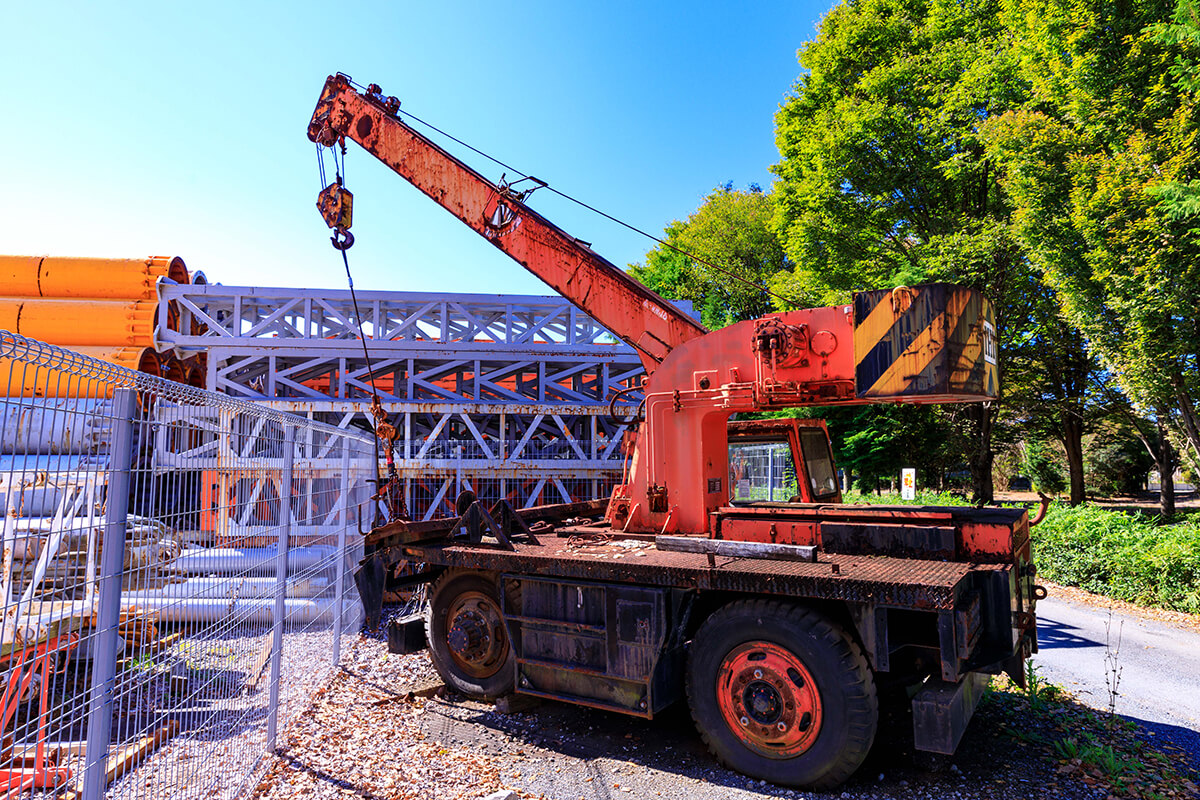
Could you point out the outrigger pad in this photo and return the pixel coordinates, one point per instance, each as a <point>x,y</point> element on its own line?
<point>406,635</point>
<point>369,578</point>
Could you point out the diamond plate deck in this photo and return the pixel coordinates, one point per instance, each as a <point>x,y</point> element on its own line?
<point>899,582</point>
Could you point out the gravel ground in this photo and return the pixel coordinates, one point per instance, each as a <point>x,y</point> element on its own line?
<point>221,740</point>
<point>381,730</point>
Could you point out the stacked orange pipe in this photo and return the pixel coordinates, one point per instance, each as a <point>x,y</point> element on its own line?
<point>105,308</point>
<point>108,278</point>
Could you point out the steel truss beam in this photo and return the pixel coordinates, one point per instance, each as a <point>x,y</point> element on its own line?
<point>505,395</point>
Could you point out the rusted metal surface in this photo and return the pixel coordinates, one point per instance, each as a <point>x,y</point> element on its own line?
<point>403,532</point>
<point>769,699</point>
<point>904,583</point>
<point>941,712</point>
<point>980,535</point>
<point>597,644</point>
<point>904,541</point>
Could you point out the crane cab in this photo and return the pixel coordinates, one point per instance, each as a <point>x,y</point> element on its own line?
<point>781,461</point>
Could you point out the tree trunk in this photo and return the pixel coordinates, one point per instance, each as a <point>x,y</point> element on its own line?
<point>1165,457</point>
<point>1073,444</point>
<point>981,460</point>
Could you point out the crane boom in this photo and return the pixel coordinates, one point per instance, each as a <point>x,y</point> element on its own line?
<point>922,344</point>
<point>638,316</point>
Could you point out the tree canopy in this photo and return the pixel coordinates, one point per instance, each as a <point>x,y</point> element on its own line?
<point>1042,151</point>
<point>732,232</point>
<point>1098,164</point>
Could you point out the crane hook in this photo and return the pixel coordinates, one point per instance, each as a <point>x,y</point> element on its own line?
<point>342,239</point>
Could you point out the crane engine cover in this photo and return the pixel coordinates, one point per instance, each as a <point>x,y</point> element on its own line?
<point>934,340</point>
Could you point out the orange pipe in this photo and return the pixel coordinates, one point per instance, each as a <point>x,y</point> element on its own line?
<point>112,278</point>
<point>71,323</point>
<point>173,369</point>
<point>18,379</point>
<point>197,372</point>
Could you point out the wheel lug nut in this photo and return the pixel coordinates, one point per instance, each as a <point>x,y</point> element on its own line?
<point>781,727</point>
<point>745,721</point>
<point>758,674</point>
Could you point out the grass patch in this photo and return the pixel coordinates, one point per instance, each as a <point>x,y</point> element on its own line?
<point>925,497</point>
<point>1127,556</point>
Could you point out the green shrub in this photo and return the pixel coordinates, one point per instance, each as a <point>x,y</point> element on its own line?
<point>1126,556</point>
<point>1042,467</point>
<point>925,497</point>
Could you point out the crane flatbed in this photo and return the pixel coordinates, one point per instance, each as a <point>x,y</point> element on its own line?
<point>608,555</point>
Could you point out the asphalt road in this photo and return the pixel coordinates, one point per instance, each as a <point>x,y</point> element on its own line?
<point>1158,663</point>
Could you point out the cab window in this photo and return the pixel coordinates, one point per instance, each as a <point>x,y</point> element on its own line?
<point>762,470</point>
<point>817,460</point>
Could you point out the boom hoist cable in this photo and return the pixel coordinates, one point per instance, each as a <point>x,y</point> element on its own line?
<point>336,204</point>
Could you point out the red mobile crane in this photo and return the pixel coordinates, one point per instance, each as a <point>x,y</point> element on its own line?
<point>781,622</point>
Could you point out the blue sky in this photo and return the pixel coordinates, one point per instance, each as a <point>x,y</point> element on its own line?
<point>139,129</point>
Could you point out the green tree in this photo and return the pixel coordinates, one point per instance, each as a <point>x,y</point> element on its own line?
<point>1181,199</point>
<point>884,177</point>
<point>1050,380</point>
<point>732,230</point>
<point>1085,161</point>
<point>1041,466</point>
<point>873,443</point>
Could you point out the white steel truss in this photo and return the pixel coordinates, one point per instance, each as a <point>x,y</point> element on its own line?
<point>506,395</point>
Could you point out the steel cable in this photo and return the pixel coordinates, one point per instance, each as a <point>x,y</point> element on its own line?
<point>593,209</point>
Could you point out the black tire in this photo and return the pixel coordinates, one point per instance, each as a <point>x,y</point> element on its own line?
<point>723,683</point>
<point>480,663</point>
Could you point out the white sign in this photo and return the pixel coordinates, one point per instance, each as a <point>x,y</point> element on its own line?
<point>908,484</point>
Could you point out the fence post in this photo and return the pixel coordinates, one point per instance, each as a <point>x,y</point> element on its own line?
<point>340,583</point>
<point>108,614</point>
<point>281,553</point>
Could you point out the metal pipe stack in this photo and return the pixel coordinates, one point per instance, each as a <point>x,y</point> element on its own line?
<point>106,308</point>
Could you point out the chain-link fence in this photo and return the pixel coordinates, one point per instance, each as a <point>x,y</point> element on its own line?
<point>176,577</point>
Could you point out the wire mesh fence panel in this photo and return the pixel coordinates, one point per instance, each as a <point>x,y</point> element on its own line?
<point>176,577</point>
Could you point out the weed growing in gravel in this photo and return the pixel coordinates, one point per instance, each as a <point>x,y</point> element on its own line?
<point>1096,748</point>
<point>1037,691</point>
<point>1112,664</point>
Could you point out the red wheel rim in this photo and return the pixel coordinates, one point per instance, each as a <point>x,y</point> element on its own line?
<point>475,634</point>
<point>769,699</point>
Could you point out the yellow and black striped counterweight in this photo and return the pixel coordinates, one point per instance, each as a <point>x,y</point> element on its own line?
<point>931,343</point>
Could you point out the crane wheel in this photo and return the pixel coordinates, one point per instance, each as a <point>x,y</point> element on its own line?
<point>468,642</point>
<point>781,693</point>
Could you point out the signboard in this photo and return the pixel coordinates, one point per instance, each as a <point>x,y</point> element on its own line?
<point>908,484</point>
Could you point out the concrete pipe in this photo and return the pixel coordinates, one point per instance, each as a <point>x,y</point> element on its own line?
<point>256,560</point>
<point>112,278</point>
<point>18,379</point>
<point>296,609</point>
<point>197,371</point>
<point>172,368</point>
<point>113,323</point>
<point>54,426</point>
<point>229,588</point>
<point>36,501</point>
<point>52,463</point>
